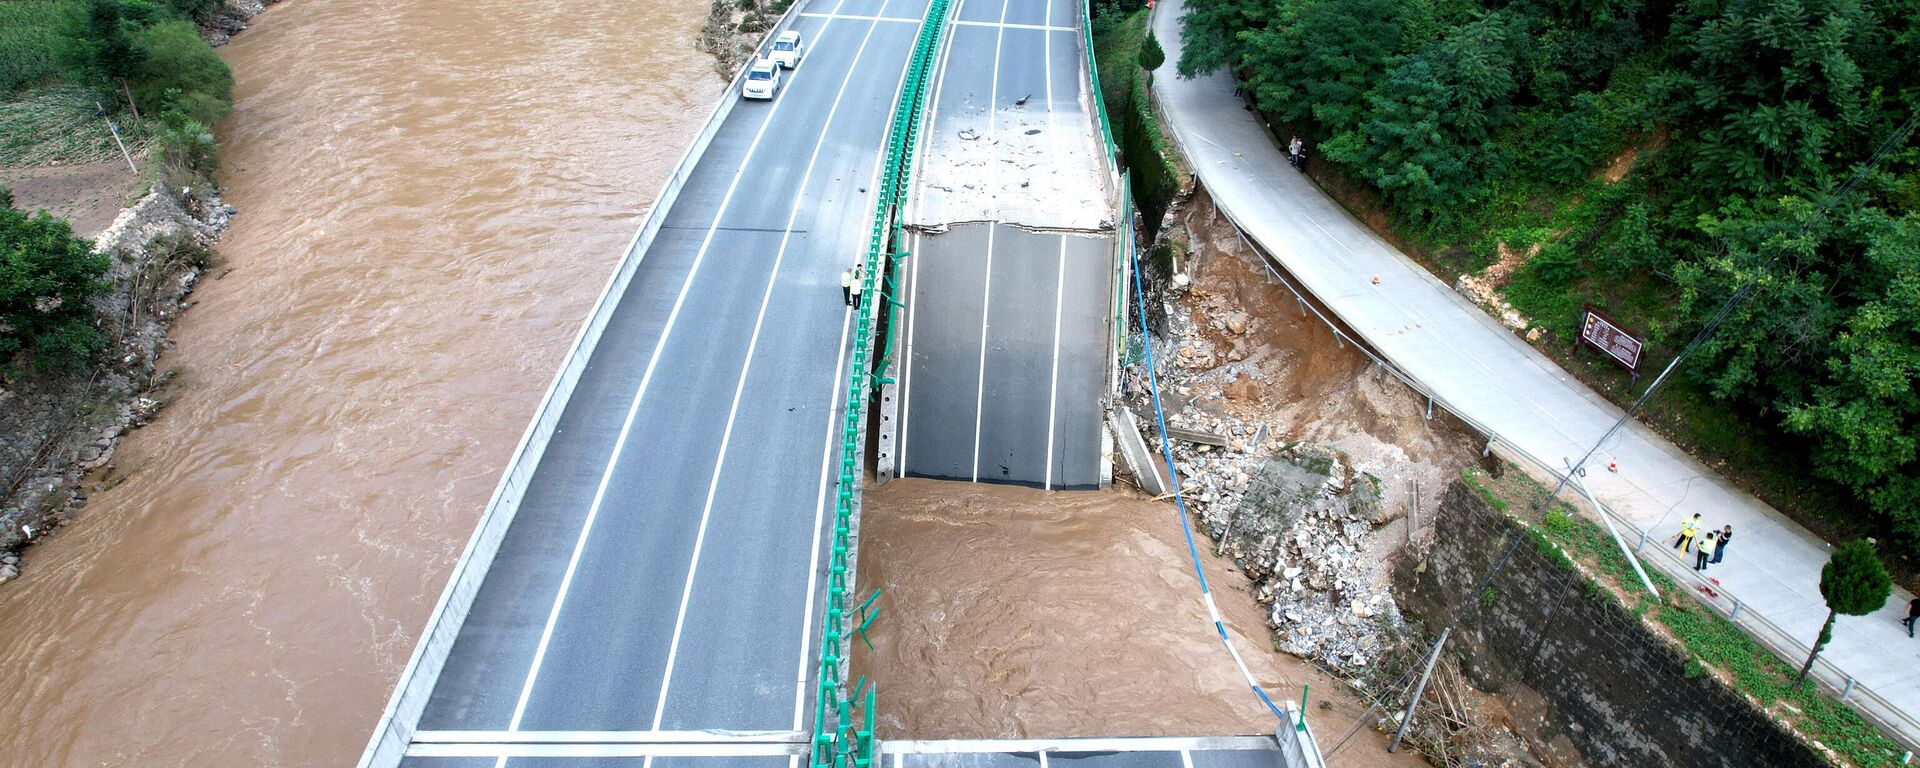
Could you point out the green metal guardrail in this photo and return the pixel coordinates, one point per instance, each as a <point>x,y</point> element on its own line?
<point>836,742</point>
<point>1093,74</point>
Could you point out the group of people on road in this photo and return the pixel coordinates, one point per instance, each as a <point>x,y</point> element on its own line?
<point>1297,154</point>
<point>850,283</point>
<point>1709,548</point>
<point>1706,549</point>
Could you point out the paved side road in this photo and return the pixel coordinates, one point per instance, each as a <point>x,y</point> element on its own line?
<point>1483,372</point>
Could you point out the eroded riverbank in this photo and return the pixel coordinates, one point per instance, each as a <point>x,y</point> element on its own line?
<point>432,195</point>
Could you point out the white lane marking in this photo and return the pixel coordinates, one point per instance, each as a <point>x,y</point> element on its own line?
<point>1043,760</point>
<point>1015,25</point>
<point>1053,388</point>
<point>746,367</point>
<point>626,427</point>
<point>826,453</point>
<point>1186,759</point>
<point>856,17</point>
<point>906,375</point>
<point>986,301</point>
<point>980,387</point>
<point>1060,285</point>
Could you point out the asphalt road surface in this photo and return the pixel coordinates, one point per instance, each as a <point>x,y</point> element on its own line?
<point>1006,352</point>
<point>664,571</point>
<point>1006,326</point>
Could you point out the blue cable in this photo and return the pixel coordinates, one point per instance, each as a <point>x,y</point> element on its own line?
<point>1173,474</point>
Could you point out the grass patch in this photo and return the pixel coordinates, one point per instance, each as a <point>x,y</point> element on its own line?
<point>1710,641</point>
<point>34,44</point>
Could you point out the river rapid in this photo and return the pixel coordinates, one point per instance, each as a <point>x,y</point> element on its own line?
<point>430,196</point>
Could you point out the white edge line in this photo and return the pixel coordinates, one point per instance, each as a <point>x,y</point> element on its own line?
<point>980,385</point>
<point>906,374</point>
<point>1053,385</point>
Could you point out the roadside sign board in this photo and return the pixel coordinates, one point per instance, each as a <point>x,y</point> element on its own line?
<point>1602,333</point>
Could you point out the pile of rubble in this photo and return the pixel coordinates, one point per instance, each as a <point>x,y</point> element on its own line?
<point>1296,519</point>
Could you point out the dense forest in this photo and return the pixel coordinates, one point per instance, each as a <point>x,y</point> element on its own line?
<point>1661,157</point>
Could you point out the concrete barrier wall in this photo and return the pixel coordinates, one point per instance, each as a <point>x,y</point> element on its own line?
<point>397,722</point>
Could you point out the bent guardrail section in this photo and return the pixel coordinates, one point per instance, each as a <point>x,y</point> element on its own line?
<point>395,728</point>
<point>836,742</point>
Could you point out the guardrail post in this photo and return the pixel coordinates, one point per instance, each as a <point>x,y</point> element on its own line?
<point>1735,616</point>
<point>1847,691</point>
<point>1429,407</point>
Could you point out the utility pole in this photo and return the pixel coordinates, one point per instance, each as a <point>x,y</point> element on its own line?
<point>116,137</point>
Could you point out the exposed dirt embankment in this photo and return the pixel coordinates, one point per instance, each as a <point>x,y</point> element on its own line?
<point>56,427</point>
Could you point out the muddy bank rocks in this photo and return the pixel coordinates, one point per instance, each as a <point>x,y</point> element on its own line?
<point>58,426</point>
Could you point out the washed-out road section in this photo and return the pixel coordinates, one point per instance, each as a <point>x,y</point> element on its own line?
<point>1009,282</point>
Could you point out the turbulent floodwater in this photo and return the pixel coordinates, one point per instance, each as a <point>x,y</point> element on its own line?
<point>1011,612</point>
<point>431,194</point>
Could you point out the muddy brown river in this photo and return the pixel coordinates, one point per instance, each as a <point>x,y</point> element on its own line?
<point>431,194</point>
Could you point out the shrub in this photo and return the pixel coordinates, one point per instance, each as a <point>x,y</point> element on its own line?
<point>178,72</point>
<point>48,279</point>
<point>1151,55</point>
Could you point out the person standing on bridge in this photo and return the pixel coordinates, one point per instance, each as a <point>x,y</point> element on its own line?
<point>1913,614</point>
<point>853,290</point>
<point>1700,552</point>
<point>846,286</point>
<point>1293,151</point>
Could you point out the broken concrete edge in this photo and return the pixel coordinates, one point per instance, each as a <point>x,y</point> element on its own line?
<point>1125,429</point>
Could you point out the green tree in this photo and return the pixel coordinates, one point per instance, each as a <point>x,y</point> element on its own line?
<point>1864,415</point>
<point>48,278</point>
<point>1774,85</point>
<point>1151,55</point>
<point>1782,252</point>
<point>1405,148</point>
<point>179,73</point>
<point>1211,31</point>
<point>1318,67</point>
<point>1854,583</point>
<point>113,50</point>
